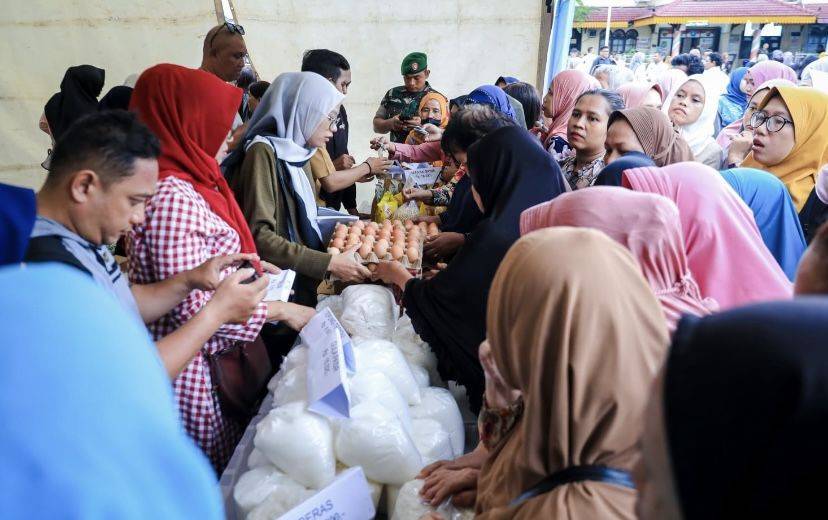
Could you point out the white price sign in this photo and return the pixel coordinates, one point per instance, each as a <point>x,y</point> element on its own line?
<point>330,360</point>
<point>348,497</point>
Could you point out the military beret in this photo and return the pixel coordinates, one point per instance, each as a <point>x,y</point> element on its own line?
<point>414,63</point>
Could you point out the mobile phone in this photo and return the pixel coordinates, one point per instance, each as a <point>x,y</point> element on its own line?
<point>247,265</point>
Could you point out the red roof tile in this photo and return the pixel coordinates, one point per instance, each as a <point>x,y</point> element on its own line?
<point>730,8</point>
<point>619,14</point>
<point>819,10</point>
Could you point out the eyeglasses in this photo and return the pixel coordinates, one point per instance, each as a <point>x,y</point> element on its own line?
<point>231,28</point>
<point>334,120</point>
<point>772,123</point>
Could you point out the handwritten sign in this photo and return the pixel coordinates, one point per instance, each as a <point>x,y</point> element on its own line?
<point>279,286</point>
<point>330,360</point>
<point>422,175</point>
<point>347,497</point>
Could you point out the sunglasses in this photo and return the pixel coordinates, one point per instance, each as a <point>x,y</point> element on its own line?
<point>231,28</point>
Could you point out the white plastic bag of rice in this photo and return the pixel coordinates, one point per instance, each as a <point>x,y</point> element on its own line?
<point>382,356</point>
<point>372,385</point>
<point>278,503</point>
<point>254,486</point>
<point>406,504</point>
<point>298,442</point>
<point>439,404</point>
<point>333,302</point>
<point>375,439</point>
<point>369,311</point>
<point>432,440</point>
<point>292,388</point>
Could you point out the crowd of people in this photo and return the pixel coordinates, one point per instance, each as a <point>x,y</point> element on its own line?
<point>627,279</point>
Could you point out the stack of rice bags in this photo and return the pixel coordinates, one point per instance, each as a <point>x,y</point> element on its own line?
<point>397,425</point>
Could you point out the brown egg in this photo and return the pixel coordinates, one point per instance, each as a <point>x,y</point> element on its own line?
<point>412,242</point>
<point>413,254</point>
<point>386,224</point>
<point>372,225</point>
<point>423,226</point>
<point>415,232</point>
<point>352,241</point>
<point>409,224</point>
<point>338,242</point>
<point>341,229</point>
<point>398,234</point>
<point>365,250</point>
<point>355,231</point>
<point>359,224</point>
<point>334,250</point>
<point>397,252</point>
<point>369,240</point>
<point>369,232</point>
<point>432,229</point>
<point>380,248</point>
<point>385,234</point>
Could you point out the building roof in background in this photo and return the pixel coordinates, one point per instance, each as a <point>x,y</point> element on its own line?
<point>819,10</point>
<point>620,17</point>
<point>709,11</point>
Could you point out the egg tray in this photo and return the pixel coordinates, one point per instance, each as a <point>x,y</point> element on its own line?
<point>415,268</point>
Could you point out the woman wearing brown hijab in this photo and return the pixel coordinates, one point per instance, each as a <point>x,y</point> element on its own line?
<point>582,342</point>
<point>646,130</point>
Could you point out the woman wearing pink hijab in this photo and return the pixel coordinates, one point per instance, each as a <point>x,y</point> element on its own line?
<point>724,247</point>
<point>558,103</point>
<point>647,225</point>
<point>639,94</point>
<point>670,81</point>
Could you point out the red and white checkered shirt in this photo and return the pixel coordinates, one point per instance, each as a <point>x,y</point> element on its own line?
<point>181,232</point>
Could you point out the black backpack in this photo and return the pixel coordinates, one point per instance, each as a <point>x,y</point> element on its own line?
<point>50,248</point>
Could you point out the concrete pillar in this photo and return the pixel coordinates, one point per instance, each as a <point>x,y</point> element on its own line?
<point>677,31</point>
<point>724,38</point>
<point>755,43</point>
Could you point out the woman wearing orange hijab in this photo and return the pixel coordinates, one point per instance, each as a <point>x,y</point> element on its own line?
<point>433,110</point>
<point>582,342</point>
<point>790,138</point>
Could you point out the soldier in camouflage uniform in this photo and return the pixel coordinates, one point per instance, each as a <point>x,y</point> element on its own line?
<point>397,112</point>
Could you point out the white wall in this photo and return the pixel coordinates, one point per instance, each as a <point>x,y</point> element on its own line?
<point>42,38</point>
<point>468,43</point>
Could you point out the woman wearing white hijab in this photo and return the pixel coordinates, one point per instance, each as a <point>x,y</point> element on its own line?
<point>271,178</point>
<point>692,107</point>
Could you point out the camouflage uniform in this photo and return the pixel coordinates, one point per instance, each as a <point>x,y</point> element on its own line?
<point>400,101</point>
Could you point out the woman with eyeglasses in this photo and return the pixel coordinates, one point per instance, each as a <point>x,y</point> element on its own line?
<point>736,139</point>
<point>790,138</point>
<point>270,174</point>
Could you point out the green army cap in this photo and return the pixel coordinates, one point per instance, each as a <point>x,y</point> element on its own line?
<point>414,63</point>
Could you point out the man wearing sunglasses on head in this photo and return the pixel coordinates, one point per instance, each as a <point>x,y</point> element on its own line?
<point>224,51</point>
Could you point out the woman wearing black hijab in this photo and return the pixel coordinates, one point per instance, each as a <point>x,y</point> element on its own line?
<point>78,96</point>
<point>737,424</point>
<point>116,99</point>
<point>509,173</point>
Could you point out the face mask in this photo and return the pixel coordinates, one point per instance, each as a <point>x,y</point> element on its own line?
<point>431,120</point>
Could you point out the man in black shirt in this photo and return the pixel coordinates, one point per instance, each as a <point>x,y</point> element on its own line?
<point>335,68</point>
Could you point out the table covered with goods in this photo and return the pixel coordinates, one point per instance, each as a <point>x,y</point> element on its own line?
<point>362,443</point>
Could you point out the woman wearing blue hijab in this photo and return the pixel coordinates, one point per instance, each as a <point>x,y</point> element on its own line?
<point>774,213</point>
<point>733,103</point>
<point>495,98</point>
<point>611,174</point>
<point>89,425</point>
